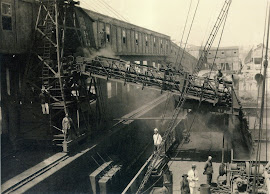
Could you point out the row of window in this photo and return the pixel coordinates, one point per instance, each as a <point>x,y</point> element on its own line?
<point>222,52</point>
<point>124,39</point>
<point>107,31</point>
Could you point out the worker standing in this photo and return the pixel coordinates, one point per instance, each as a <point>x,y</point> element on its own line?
<point>44,98</point>
<point>193,179</point>
<point>157,139</point>
<point>208,170</point>
<point>218,79</point>
<point>184,185</point>
<point>66,125</point>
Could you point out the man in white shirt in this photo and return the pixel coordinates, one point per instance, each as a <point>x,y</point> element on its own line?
<point>157,139</point>
<point>193,179</point>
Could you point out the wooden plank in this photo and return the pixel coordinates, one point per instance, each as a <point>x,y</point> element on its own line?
<point>94,175</point>
<point>24,175</point>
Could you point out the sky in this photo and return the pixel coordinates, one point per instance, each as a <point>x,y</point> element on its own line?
<point>244,26</point>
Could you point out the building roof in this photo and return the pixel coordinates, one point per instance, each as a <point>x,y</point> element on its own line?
<point>98,16</point>
<point>225,48</point>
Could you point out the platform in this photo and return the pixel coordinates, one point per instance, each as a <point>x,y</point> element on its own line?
<point>179,168</point>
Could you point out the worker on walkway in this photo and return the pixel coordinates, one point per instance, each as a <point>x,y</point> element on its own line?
<point>44,98</point>
<point>218,79</point>
<point>193,179</point>
<point>66,126</point>
<point>208,170</point>
<point>184,185</point>
<point>157,139</point>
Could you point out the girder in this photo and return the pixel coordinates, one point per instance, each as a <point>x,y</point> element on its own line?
<point>165,79</point>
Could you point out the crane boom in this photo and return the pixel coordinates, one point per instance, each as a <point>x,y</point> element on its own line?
<point>213,34</point>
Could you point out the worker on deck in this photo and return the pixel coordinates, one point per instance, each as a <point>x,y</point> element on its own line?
<point>193,179</point>
<point>44,98</point>
<point>208,170</point>
<point>218,79</point>
<point>157,139</point>
<point>184,185</point>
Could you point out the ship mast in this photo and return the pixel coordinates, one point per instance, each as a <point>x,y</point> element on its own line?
<point>262,103</point>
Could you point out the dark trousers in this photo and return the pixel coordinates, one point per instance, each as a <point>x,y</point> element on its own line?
<point>209,179</point>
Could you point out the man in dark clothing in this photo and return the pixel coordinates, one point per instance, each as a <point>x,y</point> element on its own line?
<point>219,75</point>
<point>208,170</point>
<point>44,99</point>
<point>185,185</point>
<point>218,79</point>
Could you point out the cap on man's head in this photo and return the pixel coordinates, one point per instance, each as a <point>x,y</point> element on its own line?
<point>209,157</point>
<point>155,130</point>
<point>193,165</point>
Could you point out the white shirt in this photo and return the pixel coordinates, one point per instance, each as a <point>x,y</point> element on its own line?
<point>157,139</point>
<point>193,178</point>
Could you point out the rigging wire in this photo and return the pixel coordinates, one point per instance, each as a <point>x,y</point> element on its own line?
<point>165,108</point>
<point>218,45</point>
<point>189,30</point>
<point>261,122</point>
<point>96,7</point>
<point>114,10</point>
<point>210,20</point>
<point>259,86</point>
<point>100,8</point>
<point>195,115</point>
<point>183,32</point>
<point>107,11</point>
<point>266,115</point>
<point>182,143</point>
<point>90,6</point>
<point>183,98</point>
<point>260,131</point>
<point>262,105</point>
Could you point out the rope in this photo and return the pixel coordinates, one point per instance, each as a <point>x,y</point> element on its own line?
<point>262,106</point>
<point>219,42</point>
<point>257,103</point>
<point>176,112</point>
<point>189,30</point>
<point>210,20</point>
<point>113,10</point>
<point>183,33</point>
<point>165,107</point>
<point>182,143</point>
<point>266,115</point>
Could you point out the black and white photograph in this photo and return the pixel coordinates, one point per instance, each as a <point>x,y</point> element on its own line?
<point>135,96</point>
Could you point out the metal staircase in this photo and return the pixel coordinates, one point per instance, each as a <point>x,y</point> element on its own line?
<point>56,18</point>
<point>47,44</point>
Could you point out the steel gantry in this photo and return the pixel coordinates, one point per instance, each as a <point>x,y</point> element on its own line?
<point>55,73</point>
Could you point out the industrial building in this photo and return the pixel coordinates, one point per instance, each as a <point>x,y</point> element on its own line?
<point>94,104</point>
<point>226,58</point>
